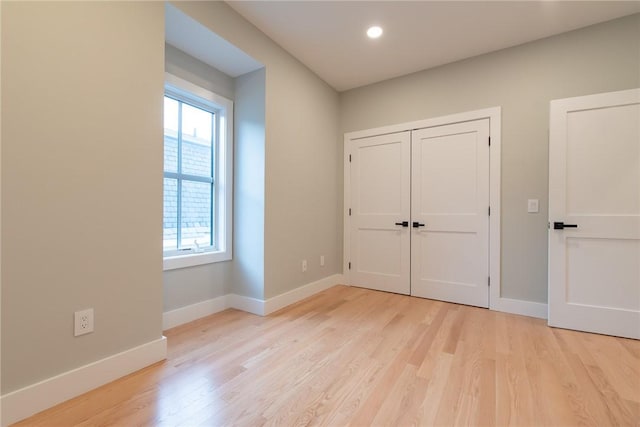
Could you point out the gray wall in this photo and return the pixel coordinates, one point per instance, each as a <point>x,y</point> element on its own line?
<point>197,72</point>
<point>82,87</point>
<point>302,190</point>
<point>522,80</point>
<point>249,171</point>
<point>302,197</point>
<point>190,285</point>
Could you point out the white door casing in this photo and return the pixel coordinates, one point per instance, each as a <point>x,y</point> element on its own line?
<point>594,183</point>
<point>380,198</point>
<point>449,213</point>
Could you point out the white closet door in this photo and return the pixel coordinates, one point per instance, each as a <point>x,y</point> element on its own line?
<point>594,213</point>
<point>380,194</point>
<point>450,219</point>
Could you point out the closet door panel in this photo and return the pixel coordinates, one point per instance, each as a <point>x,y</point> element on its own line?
<point>380,203</point>
<point>450,222</point>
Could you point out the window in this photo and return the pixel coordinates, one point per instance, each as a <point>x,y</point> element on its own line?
<point>197,175</point>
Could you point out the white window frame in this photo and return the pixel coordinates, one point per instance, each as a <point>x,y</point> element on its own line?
<point>223,174</point>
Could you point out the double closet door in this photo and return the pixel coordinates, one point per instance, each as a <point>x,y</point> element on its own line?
<point>419,222</point>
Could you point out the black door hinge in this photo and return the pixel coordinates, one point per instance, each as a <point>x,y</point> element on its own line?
<point>489,141</point>
<point>349,211</point>
<point>488,281</point>
<point>489,210</point>
<point>349,265</point>
<point>349,158</point>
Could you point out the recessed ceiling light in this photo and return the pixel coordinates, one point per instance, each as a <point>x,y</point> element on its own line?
<point>374,32</point>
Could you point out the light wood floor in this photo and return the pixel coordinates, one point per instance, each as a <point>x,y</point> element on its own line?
<point>351,356</point>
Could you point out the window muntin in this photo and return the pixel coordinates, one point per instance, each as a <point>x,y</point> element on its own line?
<point>197,175</point>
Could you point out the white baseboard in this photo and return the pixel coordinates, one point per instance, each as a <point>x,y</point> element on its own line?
<point>248,304</point>
<point>516,306</point>
<point>187,314</point>
<point>182,315</point>
<point>280,301</point>
<point>37,397</point>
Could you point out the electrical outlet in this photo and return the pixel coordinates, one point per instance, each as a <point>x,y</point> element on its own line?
<point>321,260</point>
<point>304,265</point>
<point>83,322</point>
<point>532,206</point>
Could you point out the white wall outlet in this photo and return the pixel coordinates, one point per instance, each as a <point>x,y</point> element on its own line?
<point>83,322</point>
<point>532,206</point>
<point>304,265</point>
<point>321,260</point>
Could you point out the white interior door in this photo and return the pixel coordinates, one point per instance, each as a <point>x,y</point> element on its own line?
<point>449,214</point>
<point>594,185</point>
<point>380,203</point>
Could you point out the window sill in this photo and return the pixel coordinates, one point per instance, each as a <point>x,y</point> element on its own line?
<point>193,259</point>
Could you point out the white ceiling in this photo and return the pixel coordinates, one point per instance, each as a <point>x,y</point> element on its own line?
<point>329,36</point>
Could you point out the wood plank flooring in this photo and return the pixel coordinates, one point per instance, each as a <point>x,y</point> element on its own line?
<point>351,356</point>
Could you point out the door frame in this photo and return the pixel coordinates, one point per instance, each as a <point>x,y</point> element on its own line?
<point>494,114</point>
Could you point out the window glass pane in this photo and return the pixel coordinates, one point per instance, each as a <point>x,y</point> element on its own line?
<point>196,214</point>
<point>196,141</point>
<point>170,222</point>
<point>170,135</point>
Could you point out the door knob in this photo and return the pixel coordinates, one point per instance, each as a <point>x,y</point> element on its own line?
<point>562,225</point>
<point>417,224</point>
<point>403,223</point>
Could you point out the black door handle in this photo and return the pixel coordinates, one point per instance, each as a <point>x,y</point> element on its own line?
<point>416,224</point>
<point>403,223</point>
<point>562,225</point>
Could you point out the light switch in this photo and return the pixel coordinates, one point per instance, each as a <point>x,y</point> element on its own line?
<point>532,206</point>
